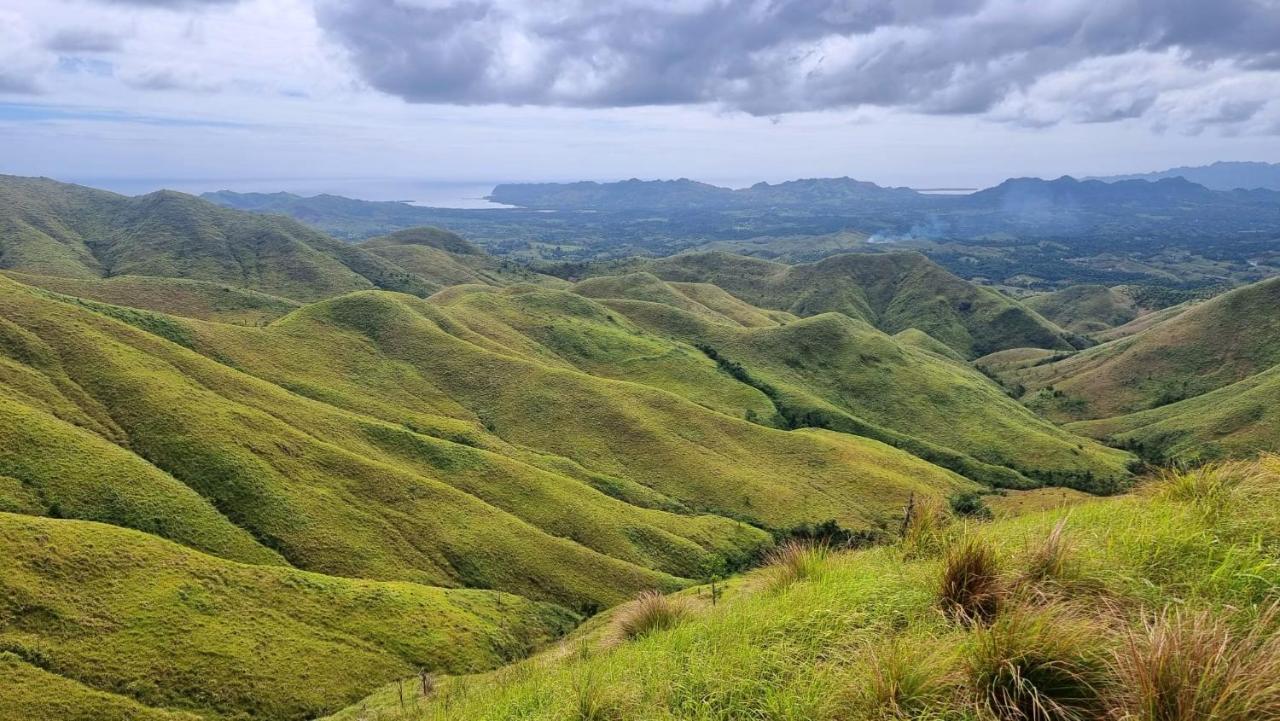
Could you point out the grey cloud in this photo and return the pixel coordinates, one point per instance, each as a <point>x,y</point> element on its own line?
<point>82,40</point>
<point>769,57</point>
<point>11,83</point>
<point>171,4</point>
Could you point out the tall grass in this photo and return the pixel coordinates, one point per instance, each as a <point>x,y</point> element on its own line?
<point>971,588</point>
<point>1040,663</point>
<point>1192,666</point>
<point>905,679</point>
<point>795,561</point>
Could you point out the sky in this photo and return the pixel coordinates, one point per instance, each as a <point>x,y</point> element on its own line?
<point>924,93</point>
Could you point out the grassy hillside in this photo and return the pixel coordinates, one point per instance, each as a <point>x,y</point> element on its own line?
<point>1235,421</point>
<point>891,291</point>
<point>834,372</point>
<point>101,622</point>
<point>1208,346</point>
<point>1152,606</point>
<point>1086,309</point>
<point>378,435</point>
<point>51,228</point>
<point>441,258</point>
<point>174,296</point>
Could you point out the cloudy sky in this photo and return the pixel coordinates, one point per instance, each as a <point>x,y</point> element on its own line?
<point>903,92</point>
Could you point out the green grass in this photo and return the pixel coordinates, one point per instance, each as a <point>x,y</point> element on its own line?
<point>117,619</point>
<point>382,436</point>
<point>838,643</point>
<point>174,296</point>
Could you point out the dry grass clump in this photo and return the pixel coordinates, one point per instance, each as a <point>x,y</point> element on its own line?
<point>795,561</point>
<point>904,680</point>
<point>1182,666</point>
<point>924,530</point>
<point>650,611</point>
<point>971,589</point>
<point>1040,663</point>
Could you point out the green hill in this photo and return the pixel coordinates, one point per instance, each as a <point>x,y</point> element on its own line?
<point>101,622</point>
<point>1205,347</point>
<point>891,291</point>
<point>442,258</point>
<point>1108,609</point>
<point>51,228</point>
<point>835,372</point>
<point>1086,309</point>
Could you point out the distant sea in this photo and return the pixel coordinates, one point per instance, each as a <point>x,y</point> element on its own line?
<point>432,194</point>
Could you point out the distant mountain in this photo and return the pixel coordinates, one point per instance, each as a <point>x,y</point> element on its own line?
<point>1067,193</point>
<point>57,229</point>
<point>685,194</point>
<point>341,217</point>
<point>1222,175</point>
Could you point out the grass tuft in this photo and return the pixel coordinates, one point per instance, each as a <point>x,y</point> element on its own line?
<point>795,561</point>
<point>924,531</point>
<point>1039,664</point>
<point>904,680</point>
<point>650,611</point>
<point>1183,666</point>
<point>971,590</point>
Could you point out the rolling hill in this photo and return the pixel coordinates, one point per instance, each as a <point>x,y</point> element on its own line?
<point>1202,348</point>
<point>891,291</point>
<point>831,371</point>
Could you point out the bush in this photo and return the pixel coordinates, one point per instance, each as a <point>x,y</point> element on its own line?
<point>971,590</point>
<point>650,611</point>
<point>1040,664</point>
<point>970,504</point>
<point>1189,666</point>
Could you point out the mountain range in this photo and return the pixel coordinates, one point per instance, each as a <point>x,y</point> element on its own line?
<point>1217,176</point>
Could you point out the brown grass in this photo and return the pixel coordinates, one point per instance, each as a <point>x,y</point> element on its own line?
<point>1183,666</point>
<point>971,589</point>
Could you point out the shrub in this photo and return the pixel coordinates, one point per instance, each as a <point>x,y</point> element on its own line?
<point>970,504</point>
<point>1184,666</point>
<point>971,589</point>
<point>650,611</point>
<point>795,561</point>
<point>1039,664</point>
